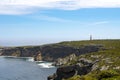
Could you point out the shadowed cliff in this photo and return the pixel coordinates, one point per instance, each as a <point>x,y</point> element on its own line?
<point>49,52</point>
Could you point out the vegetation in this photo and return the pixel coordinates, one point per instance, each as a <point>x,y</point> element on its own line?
<point>109,54</point>
<point>102,75</point>
<point>108,67</point>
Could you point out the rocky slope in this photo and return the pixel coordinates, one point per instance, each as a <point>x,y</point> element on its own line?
<point>106,67</point>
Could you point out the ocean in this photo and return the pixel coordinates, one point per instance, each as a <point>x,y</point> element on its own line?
<point>13,68</point>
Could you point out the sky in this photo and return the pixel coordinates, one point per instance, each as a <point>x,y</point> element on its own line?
<point>37,22</point>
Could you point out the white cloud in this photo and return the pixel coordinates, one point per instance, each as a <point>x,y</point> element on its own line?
<point>28,6</point>
<point>50,18</point>
<point>98,23</point>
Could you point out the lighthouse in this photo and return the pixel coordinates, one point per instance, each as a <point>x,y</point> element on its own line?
<point>90,37</point>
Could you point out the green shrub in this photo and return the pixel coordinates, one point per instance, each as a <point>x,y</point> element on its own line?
<point>107,74</point>
<point>113,78</point>
<point>87,77</point>
<point>77,77</point>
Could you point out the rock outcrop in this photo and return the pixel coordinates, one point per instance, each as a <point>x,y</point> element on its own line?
<point>63,61</point>
<point>1,51</point>
<point>72,70</point>
<point>38,56</point>
<point>48,52</point>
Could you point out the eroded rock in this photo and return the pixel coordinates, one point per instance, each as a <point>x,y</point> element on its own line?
<point>72,70</point>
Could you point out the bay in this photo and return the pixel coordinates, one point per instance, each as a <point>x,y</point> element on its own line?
<point>12,68</point>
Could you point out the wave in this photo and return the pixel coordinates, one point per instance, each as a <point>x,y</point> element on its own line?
<point>46,64</point>
<point>42,64</point>
<point>30,59</point>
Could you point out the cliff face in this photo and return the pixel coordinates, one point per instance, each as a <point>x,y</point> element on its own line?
<point>103,64</point>
<point>48,52</point>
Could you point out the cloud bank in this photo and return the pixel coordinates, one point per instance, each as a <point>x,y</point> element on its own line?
<point>30,6</point>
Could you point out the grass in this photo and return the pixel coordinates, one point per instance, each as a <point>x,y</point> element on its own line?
<point>102,75</point>
<point>108,56</point>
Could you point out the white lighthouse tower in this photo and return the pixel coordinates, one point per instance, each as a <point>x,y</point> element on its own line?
<point>90,37</point>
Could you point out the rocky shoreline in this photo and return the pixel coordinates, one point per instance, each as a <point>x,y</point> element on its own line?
<point>89,60</point>
<point>48,52</point>
<point>82,67</point>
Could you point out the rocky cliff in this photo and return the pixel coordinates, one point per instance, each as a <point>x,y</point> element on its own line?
<point>48,52</point>
<point>99,65</point>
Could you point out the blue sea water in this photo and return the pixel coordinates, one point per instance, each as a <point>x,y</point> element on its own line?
<point>12,68</point>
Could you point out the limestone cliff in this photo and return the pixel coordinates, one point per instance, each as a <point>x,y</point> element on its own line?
<point>48,52</point>
<point>98,65</point>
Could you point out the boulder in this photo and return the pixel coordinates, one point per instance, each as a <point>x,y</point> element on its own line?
<point>69,71</point>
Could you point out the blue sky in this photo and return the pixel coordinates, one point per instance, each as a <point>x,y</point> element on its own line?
<point>36,25</point>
